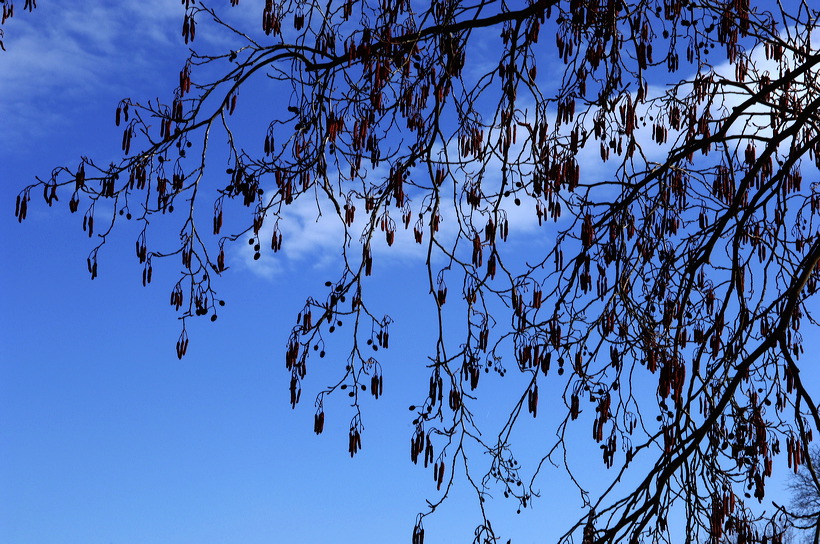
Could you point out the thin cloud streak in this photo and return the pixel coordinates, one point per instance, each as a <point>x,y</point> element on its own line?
<point>64,53</point>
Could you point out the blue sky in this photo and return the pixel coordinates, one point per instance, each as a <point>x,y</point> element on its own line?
<point>105,437</point>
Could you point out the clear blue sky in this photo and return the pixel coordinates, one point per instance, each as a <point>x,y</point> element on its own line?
<point>105,437</point>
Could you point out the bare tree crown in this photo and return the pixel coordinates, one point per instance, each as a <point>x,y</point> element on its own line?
<point>666,148</point>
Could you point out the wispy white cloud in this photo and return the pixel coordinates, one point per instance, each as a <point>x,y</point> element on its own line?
<point>314,235</point>
<point>80,55</point>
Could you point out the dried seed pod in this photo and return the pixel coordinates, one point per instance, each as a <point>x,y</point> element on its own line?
<point>319,422</point>
<point>441,292</point>
<point>92,264</point>
<point>418,534</point>
<point>74,203</point>
<point>126,139</point>
<point>455,400</point>
<point>147,274</point>
<point>374,386</point>
<point>491,265</point>
<point>295,391</point>
<point>21,208</point>
<point>182,344</point>
<point>477,252</point>
<point>545,362</point>
<point>79,177</point>
<point>532,400</point>
<point>368,261</point>
<point>428,452</point>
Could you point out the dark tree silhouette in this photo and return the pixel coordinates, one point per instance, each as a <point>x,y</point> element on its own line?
<point>661,144</point>
<point>805,507</point>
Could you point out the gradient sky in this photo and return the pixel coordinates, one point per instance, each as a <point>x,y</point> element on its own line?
<point>105,437</point>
